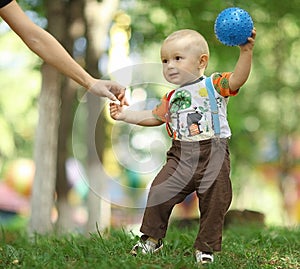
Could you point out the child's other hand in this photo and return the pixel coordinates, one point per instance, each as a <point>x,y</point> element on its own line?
<point>251,41</point>
<point>116,111</point>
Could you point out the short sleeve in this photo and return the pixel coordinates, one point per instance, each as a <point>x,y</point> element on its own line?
<point>160,112</point>
<point>221,84</point>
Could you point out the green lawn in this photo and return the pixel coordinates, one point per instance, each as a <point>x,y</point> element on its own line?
<point>243,247</point>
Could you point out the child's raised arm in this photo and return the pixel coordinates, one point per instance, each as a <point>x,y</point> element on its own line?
<point>243,65</point>
<point>142,118</point>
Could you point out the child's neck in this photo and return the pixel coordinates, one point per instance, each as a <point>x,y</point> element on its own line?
<point>192,81</point>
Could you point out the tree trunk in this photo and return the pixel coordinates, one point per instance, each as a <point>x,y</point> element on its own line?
<point>42,200</point>
<point>74,29</point>
<point>99,17</point>
<point>64,209</point>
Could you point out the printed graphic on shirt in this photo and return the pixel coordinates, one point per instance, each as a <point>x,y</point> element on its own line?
<point>190,118</point>
<point>187,110</point>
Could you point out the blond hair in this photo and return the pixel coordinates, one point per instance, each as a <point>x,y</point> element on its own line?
<point>196,40</point>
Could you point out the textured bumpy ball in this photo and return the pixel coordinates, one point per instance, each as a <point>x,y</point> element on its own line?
<point>233,26</point>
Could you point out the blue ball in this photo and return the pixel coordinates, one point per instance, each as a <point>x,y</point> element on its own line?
<point>233,26</point>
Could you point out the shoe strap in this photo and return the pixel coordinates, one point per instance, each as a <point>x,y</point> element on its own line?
<point>200,256</point>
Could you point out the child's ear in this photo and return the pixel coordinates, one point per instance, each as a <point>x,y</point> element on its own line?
<point>203,61</point>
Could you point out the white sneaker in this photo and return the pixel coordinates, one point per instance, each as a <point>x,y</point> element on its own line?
<point>146,245</point>
<point>203,258</point>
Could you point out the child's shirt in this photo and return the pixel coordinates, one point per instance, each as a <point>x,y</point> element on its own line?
<point>187,113</point>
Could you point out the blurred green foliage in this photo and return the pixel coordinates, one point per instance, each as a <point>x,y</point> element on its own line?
<point>265,111</point>
<point>20,84</point>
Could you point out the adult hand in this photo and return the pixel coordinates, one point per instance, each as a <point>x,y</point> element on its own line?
<point>109,89</point>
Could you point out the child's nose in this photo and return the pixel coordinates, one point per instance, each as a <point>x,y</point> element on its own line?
<point>171,64</point>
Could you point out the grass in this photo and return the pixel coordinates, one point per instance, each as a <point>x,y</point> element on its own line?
<point>243,247</point>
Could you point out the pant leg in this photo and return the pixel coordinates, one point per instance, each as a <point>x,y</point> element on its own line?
<point>215,195</point>
<point>170,187</point>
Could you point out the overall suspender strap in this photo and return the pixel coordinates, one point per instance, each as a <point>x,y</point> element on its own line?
<point>213,105</point>
<point>168,127</point>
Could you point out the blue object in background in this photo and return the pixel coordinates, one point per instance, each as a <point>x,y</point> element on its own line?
<point>233,26</point>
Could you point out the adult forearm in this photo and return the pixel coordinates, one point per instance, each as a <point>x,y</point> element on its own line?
<point>48,48</point>
<point>44,44</point>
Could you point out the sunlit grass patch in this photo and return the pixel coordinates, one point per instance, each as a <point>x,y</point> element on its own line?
<point>243,247</point>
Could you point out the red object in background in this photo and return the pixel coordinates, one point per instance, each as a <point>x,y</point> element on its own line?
<point>12,201</point>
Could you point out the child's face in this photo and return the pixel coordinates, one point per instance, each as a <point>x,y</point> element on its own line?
<point>181,62</point>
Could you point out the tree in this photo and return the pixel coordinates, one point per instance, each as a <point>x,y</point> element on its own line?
<point>99,18</point>
<point>58,94</point>
<point>75,27</point>
<point>43,191</point>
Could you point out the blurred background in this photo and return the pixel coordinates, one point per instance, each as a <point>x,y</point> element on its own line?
<point>89,172</point>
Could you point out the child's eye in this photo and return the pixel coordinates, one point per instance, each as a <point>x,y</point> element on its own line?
<point>178,58</point>
<point>164,61</point>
